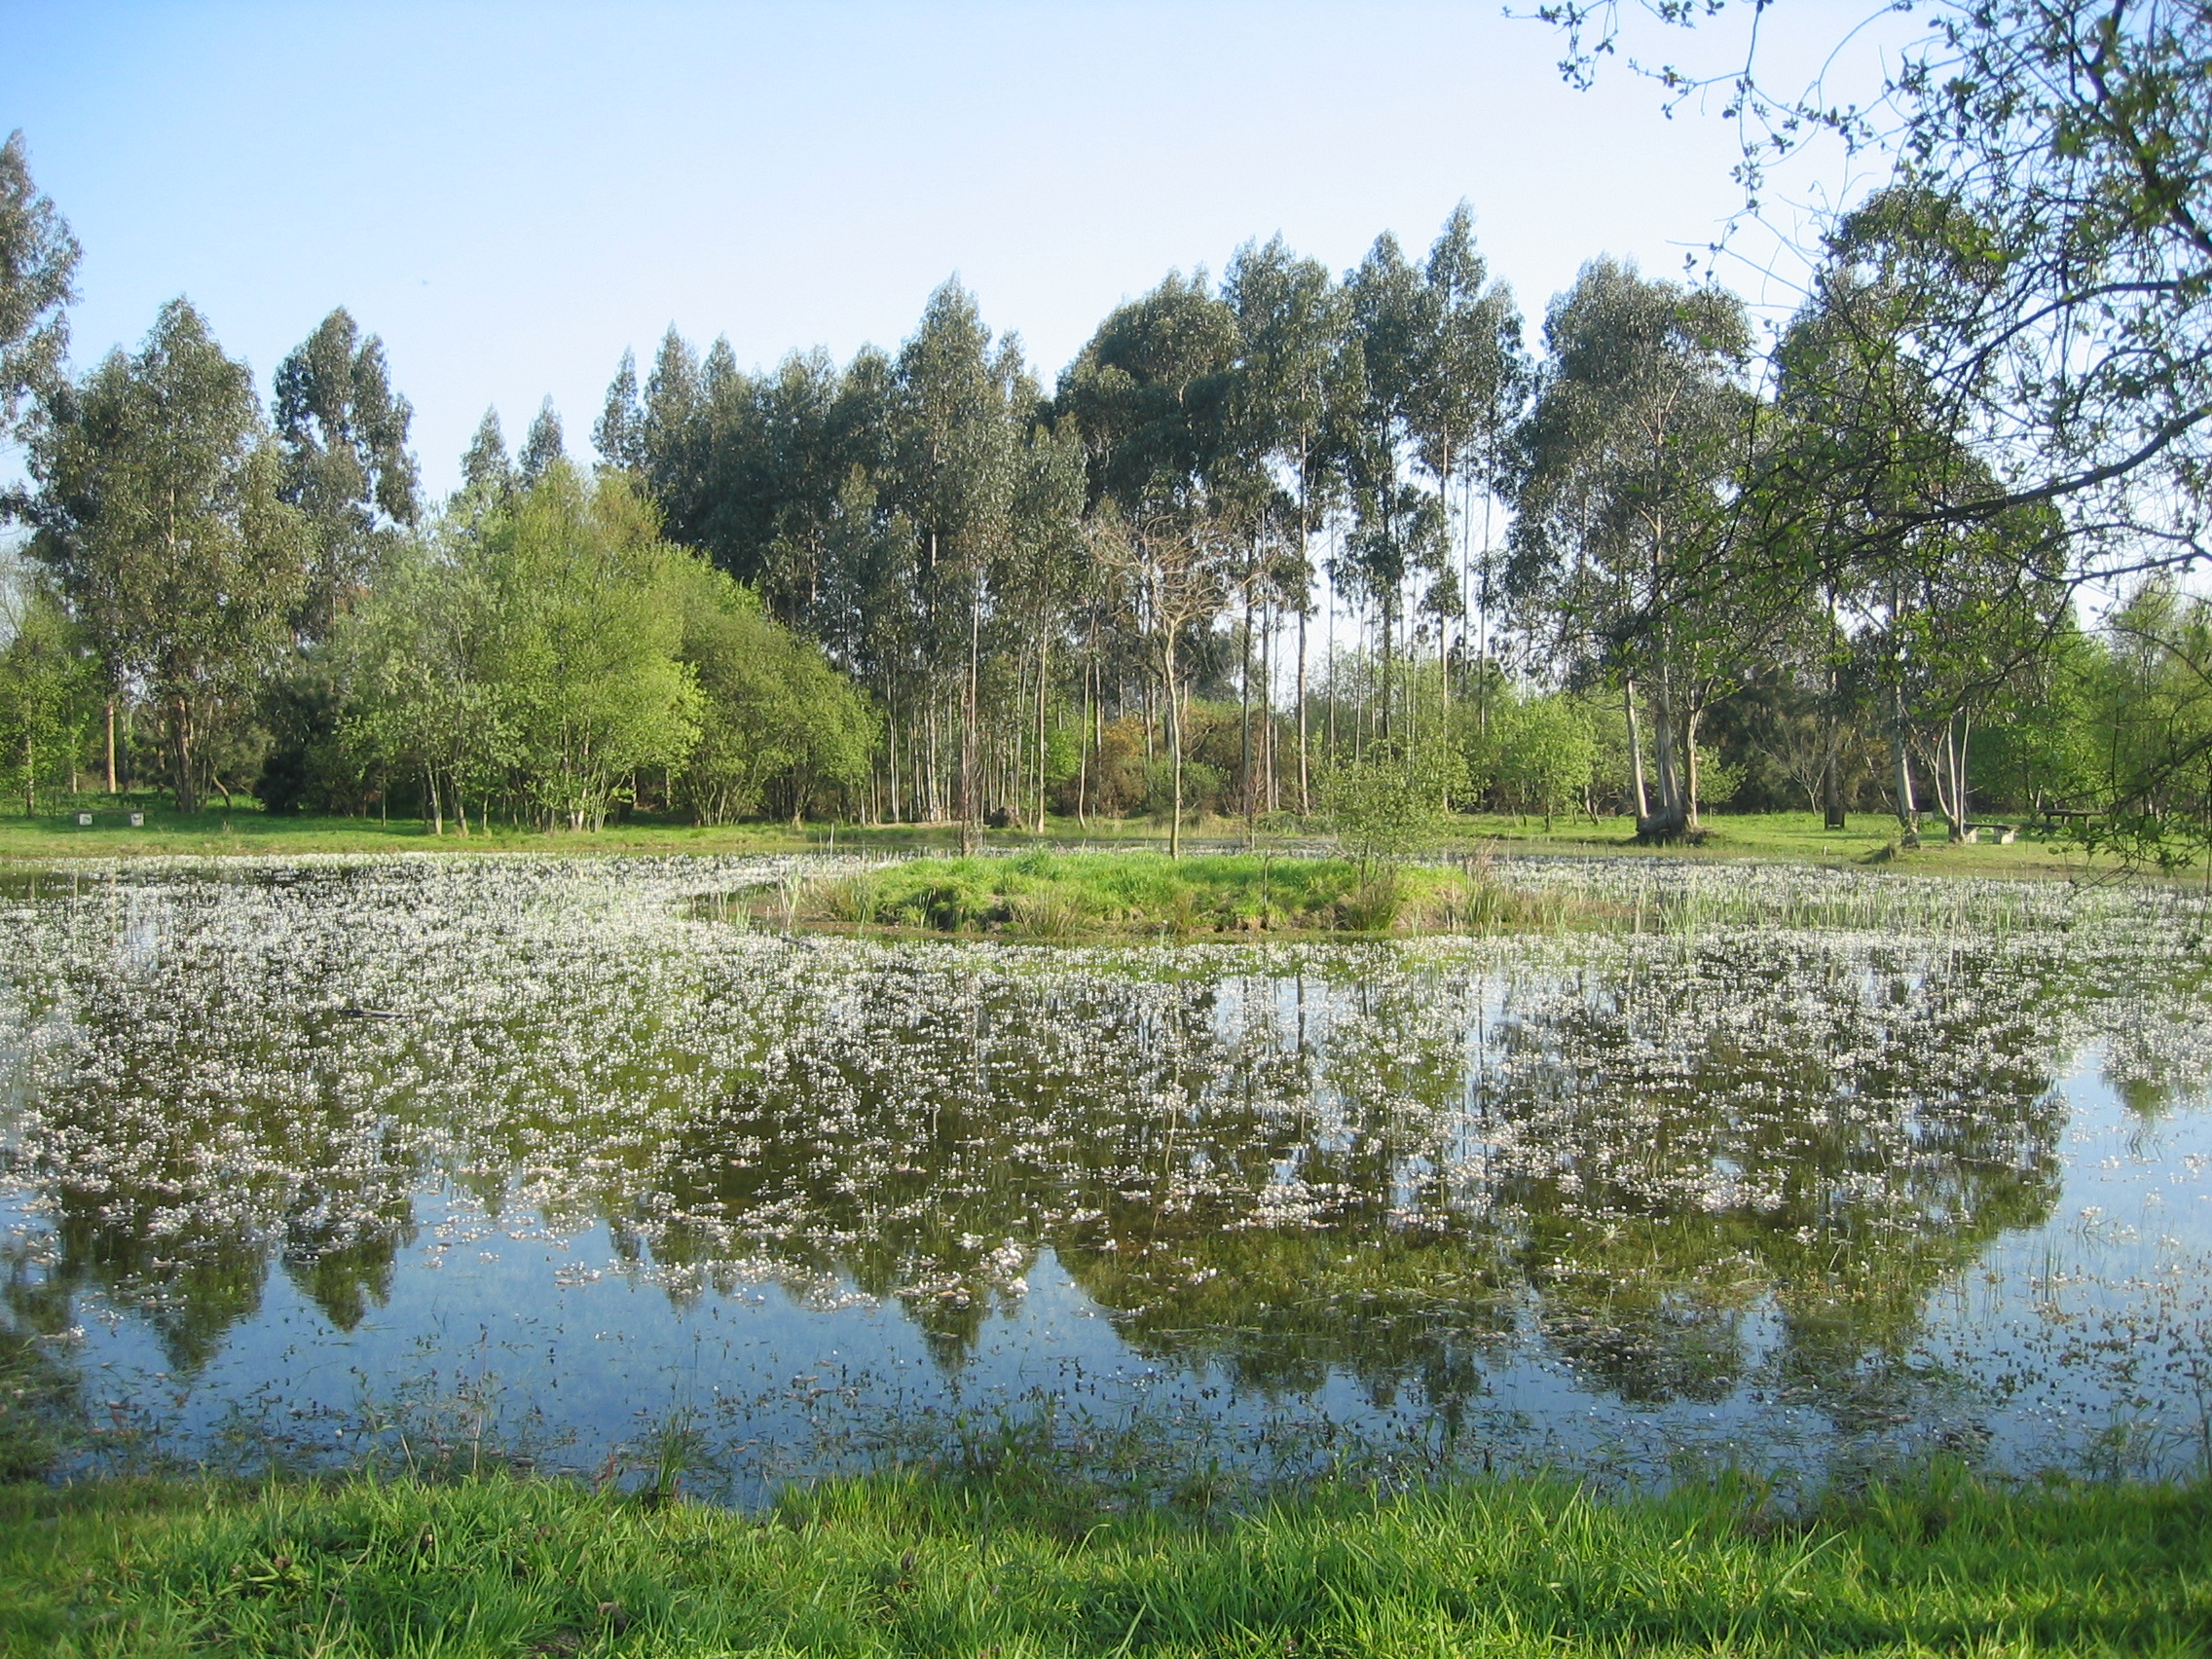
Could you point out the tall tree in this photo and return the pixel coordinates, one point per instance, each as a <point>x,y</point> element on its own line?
<point>486,474</point>
<point>2068,329</point>
<point>1291,321</point>
<point>1399,533</point>
<point>347,465</point>
<point>38,263</point>
<point>956,466</point>
<point>541,446</point>
<point>1630,457</point>
<point>1153,394</point>
<point>619,435</point>
<point>161,512</point>
<point>1468,389</point>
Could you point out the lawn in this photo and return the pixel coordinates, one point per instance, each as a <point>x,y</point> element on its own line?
<point>1787,836</point>
<point>950,1564</point>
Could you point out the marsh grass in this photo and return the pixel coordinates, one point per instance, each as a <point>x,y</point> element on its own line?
<point>1048,896</point>
<point>999,1562</point>
<point>39,1404</point>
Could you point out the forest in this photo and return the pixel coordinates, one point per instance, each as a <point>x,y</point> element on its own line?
<point>1286,546</point>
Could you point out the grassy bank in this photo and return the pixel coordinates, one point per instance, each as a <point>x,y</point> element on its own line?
<point>918,1564</point>
<point>1795,837</point>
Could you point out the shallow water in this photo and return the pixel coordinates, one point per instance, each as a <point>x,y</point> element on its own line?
<point>437,1156</point>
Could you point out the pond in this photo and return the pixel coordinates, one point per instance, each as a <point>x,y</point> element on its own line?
<point>558,1161</point>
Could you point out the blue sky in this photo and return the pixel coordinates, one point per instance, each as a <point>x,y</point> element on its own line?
<point>510,194</point>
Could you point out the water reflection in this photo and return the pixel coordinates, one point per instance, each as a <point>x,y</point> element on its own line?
<point>1682,1169</point>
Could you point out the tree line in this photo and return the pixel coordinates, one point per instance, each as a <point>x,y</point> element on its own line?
<point>1292,542</point>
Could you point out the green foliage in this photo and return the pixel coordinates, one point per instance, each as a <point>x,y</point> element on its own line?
<point>162,516</point>
<point>535,654</point>
<point>47,683</point>
<point>346,467</point>
<point>773,716</point>
<point>1391,802</point>
<point>586,643</point>
<point>38,263</point>
<point>1539,757</point>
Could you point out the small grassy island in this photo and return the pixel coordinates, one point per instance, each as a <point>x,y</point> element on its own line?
<point>1050,897</point>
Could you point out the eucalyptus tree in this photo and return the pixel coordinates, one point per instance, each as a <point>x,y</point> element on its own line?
<point>1398,532</point>
<point>347,465</point>
<point>1153,392</point>
<point>2067,332</point>
<point>1471,382</point>
<point>1291,323</point>
<point>1044,575</point>
<point>1630,459</point>
<point>671,436</point>
<point>1853,502</point>
<point>619,432</point>
<point>487,472</point>
<point>541,446</point>
<point>956,461</point>
<point>38,265</point>
<point>792,476</point>
<point>161,511</point>
<point>2064,151</point>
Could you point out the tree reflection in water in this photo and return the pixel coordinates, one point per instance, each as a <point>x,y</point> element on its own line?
<point>1681,1166</point>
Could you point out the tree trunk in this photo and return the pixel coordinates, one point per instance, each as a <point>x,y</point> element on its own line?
<point>180,756</point>
<point>1668,820</point>
<point>1083,749</point>
<point>1908,811</point>
<point>1689,768</point>
<point>1043,648</point>
<point>1831,758</point>
<point>1174,751</point>
<point>971,822</point>
<point>1951,786</point>
<point>111,789</point>
<point>1175,765</point>
<point>1305,769</point>
<point>1634,751</point>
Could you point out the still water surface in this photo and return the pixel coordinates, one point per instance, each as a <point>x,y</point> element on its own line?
<point>437,1155</point>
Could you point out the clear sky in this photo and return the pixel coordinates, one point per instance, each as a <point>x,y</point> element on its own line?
<point>510,194</point>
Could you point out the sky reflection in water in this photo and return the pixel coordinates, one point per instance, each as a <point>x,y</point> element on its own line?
<point>327,1154</point>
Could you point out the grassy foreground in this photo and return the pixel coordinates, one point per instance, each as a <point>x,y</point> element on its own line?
<point>920,1565</point>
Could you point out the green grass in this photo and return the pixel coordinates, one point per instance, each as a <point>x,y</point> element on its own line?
<point>1048,896</point>
<point>247,829</point>
<point>1780,836</point>
<point>920,1563</point>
